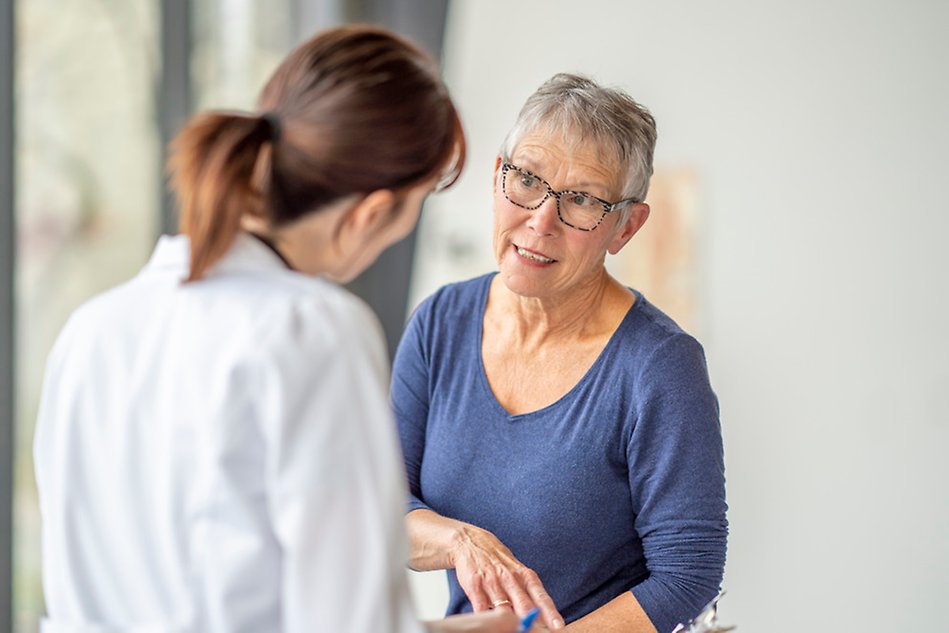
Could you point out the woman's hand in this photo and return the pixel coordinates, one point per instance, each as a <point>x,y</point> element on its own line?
<point>487,571</point>
<point>498,621</point>
<point>493,578</point>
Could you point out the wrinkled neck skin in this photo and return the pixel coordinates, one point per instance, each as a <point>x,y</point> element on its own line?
<point>587,311</point>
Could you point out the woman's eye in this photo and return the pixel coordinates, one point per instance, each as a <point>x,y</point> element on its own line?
<point>580,200</point>
<point>528,181</point>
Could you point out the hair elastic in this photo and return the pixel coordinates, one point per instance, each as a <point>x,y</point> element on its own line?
<point>273,120</point>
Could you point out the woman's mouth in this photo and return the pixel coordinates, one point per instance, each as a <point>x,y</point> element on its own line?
<point>533,256</point>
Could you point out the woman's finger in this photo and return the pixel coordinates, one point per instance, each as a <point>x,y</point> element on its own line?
<point>512,581</point>
<point>473,587</point>
<point>502,603</point>
<point>495,590</point>
<point>535,588</point>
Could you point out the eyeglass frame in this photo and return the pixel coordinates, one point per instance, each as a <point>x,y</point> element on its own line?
<point>608,207</point>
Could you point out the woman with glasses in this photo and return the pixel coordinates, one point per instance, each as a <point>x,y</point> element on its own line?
<point>560,434</point>
<point>214,451</point>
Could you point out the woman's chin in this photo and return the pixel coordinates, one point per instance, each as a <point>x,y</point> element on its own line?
<point>522,282</point>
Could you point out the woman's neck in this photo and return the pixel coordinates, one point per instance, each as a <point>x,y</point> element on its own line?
<point>306,244</point>
<point>585,312</point>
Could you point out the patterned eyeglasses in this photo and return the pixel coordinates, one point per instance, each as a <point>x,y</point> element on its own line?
<point>576,209</point>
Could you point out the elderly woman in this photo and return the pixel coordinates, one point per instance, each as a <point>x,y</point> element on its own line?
<point>561,437</point>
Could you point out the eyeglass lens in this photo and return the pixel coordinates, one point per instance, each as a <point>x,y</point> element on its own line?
<point>576,208</point>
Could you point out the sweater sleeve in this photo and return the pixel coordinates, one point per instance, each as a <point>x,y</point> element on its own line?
<point>677,482</point>
<point>410,396</point>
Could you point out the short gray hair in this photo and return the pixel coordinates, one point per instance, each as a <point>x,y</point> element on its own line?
<point>578,107</point>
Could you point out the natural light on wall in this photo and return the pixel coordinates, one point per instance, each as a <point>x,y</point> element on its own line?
<point>798,230</point>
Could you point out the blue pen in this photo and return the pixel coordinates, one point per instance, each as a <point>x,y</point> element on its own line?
<point>529,620</point>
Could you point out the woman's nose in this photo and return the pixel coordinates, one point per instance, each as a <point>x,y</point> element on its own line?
<point>544,218</point>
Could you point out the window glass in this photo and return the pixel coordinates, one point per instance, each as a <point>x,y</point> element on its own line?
<point>89,176</point>
<point>237,45</point>
<point>87,190</point>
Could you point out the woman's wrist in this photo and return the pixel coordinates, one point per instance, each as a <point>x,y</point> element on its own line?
<point>462,536</point>
<point>437,542</point>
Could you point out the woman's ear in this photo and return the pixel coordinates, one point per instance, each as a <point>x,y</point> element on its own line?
<point>370,214</point>
<point>637,217</point>
<point>497,166</point>
<point>254,223</point>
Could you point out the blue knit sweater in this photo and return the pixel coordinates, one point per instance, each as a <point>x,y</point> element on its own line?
<point>617,486</point>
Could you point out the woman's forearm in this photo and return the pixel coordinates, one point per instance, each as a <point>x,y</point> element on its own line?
<point>622,614</point>
<point>498,621</point>
<point>433,539</point>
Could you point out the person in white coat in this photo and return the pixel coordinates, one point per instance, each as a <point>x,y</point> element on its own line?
<point>214,450</point>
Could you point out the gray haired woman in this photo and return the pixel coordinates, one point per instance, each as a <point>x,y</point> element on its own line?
<point>560,433</point>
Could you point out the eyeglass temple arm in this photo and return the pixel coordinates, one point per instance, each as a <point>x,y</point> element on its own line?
<point>622,203</point>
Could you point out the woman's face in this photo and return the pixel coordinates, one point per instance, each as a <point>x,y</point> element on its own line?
<point>537,254</point>
<point>402,219</point>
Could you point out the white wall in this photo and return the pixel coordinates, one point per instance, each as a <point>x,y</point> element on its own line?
<point>819,132</point>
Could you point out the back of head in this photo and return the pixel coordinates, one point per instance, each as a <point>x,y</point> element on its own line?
<point>583,111</point>
<point>351,111</point>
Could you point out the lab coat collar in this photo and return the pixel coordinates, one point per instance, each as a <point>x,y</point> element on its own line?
<point>172,254</point>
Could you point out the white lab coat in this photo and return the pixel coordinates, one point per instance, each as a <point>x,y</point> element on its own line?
<point>219,456</point>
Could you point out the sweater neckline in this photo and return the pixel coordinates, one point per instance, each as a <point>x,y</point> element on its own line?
<point>571,393</point>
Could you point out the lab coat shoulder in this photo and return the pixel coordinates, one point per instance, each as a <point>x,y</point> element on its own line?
<point>333,462</point>
<point>314,318</point>
<point>68,363</point>
<point>312,341</point>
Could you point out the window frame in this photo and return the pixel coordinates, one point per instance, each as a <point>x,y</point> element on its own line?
<point>7,311</point>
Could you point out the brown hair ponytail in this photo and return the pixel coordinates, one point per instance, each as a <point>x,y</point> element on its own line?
<point>213,163</point>
<point>353,110</point>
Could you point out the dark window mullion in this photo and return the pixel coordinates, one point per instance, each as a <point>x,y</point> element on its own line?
<point>7,311</point>
<point>174,94</point>
<point>385,285</point>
